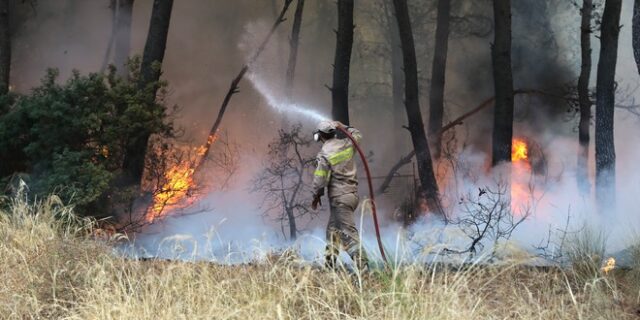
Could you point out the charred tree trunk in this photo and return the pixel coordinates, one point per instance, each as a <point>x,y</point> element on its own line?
<point>636,32</point>
<point>156,44</point>
<point>605,103</point>
<point>5,47</point>
<point>436,96</point>
<point>292,224</point>
<point>428,184</point>
<point>150,71</point>
<point>503,82</point>
<point>342,62</point>
<point>584,99</point>
<point>123,35</point>
<point>293,49</point>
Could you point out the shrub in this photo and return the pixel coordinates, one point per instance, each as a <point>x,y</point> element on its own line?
<point>71,138</point>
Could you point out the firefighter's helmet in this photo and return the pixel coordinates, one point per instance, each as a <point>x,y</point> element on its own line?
<point>327,128</point>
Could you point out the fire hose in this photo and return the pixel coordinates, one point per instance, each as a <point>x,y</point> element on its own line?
<point>371,194</point>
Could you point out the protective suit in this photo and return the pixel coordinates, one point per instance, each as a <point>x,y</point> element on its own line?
<point>336,171</point>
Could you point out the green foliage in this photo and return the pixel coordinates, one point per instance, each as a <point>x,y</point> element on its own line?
<point>71,138</point>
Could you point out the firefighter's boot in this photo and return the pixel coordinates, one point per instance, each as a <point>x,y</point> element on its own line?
<point>360,259</point>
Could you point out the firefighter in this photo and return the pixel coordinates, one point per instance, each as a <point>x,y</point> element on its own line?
<point>336,171</point>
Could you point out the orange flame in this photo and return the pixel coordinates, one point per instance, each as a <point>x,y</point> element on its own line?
<point>519,150</point>
<point>178,184</point>
<point>179,180</point>
<point>609,265</point>
<point>520,176</point>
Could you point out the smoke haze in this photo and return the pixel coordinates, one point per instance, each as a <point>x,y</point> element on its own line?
<point>210,40</point>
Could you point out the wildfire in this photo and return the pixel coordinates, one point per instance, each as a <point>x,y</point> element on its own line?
<point>178,184</point>
<point>519,150</point>
<point>609,265</point>
<point>179,180</point>
<point>520,176</point>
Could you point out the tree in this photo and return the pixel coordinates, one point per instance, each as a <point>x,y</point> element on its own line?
<point>122,48</point>
<point>156,44</point>
<point>5,47</point>
<point>605,104</point>
<point>293,48</point>
<point>150,71</point>
<point>286,177</point>
<point>436,96</point>
<point>122,15</point>
<point>636,32</point>
<point>584,99</point>
<point>503,82</point>
<point>428,184</point>
<point>397,81</point>
<point>342,62</point>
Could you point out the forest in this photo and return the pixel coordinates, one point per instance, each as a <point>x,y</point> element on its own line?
<point>321,159</point>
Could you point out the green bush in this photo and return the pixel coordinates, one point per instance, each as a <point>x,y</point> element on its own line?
<point>71,138</point>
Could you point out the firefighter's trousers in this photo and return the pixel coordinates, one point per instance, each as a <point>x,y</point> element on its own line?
<point>342,232</point>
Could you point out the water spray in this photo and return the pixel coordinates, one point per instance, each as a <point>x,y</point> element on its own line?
<point>371,193</point>
<point>310,113</point>
<point>283,105</point>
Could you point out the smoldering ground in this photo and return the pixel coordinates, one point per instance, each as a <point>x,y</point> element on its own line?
<point>210,40</point>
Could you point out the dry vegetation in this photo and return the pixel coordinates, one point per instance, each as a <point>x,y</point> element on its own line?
<point>51,269</point>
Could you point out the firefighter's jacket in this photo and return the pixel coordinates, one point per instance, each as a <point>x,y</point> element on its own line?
<point>336,167</point>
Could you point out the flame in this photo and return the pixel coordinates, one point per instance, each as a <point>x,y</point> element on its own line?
<point>178,184</point>
<point>519,150</point>
<point>609,265</point>
<point>179,180</point>
<point>520,176</point>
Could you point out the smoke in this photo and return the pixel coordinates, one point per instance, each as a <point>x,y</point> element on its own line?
<point>208,44</point>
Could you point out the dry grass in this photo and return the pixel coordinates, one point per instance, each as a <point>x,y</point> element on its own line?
<point>50,269</point>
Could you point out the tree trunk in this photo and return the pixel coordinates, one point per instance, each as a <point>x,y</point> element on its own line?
<point>5,47</point>
<point>292,224</point>
<point>342,62</point>
<point>503,82</point>
<point>605,103</point>
<point>584,99</point>
<point>636,32</point>
<point>428,184</point>
<point>436,96</point>
<point>397,84</point>
<point>123,35</point>
<point>149,73</point>
<point>156,44</point>
<point>293,49</point>
<point>397,79</point>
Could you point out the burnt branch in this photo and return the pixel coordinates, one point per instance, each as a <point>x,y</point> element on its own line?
<point>487,219</point>
<point>233,89</point>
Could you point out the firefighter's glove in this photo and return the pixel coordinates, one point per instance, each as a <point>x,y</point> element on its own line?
<point>316,201</point>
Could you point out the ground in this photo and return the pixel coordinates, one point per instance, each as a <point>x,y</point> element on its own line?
<point>52,268</point>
